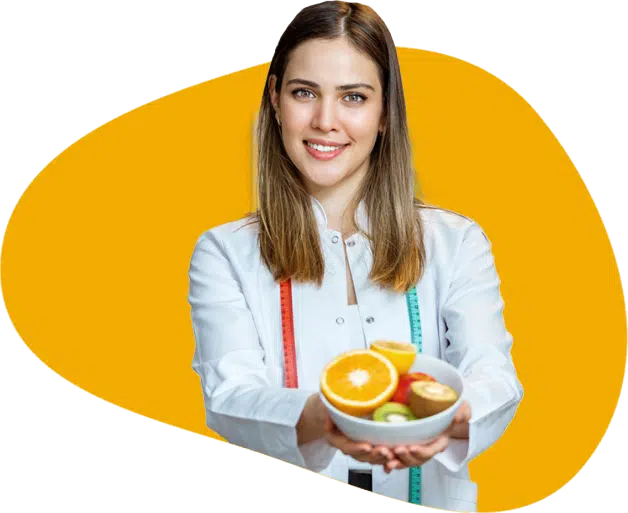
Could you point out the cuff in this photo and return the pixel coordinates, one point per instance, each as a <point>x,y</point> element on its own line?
<point>490,415</point>
<point>317,455</point>
<point>264,421</point>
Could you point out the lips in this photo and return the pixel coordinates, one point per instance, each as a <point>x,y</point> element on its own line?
<point>324,142</point>
<point>323,155</point>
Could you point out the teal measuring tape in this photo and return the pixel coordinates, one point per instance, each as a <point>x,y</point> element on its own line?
<point>417,341</point>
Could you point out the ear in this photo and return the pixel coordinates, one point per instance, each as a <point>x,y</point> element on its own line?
<point>274,95</point>
<point>382,125</point>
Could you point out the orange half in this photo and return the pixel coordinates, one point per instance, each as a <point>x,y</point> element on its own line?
<point>401,354</point>
<point>359,381</point>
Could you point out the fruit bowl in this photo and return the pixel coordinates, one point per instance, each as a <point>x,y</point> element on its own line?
<point>363,429</point>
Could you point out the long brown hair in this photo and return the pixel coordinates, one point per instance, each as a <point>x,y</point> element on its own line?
<point>289,240</point>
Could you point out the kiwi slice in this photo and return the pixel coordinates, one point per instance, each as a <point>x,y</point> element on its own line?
<point>393,412</point>
<point>427,398</point>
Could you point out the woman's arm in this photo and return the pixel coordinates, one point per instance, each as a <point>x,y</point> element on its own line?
<point>240,402</point>
<point>479,346</point>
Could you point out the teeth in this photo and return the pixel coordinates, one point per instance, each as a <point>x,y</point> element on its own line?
<point>323,148</point>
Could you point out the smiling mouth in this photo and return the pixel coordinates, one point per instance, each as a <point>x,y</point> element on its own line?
<point>324,153</point>
<point>324,149</point>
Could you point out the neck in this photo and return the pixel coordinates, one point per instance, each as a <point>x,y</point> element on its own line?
<point>335,201</point>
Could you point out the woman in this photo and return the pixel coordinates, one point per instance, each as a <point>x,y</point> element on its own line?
<point>337,218</point>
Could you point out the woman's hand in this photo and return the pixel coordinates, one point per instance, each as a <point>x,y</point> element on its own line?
<point>361,451</point>
<point>415,455</point>
<point>315,422</point>
<point>311,424</point>
<point>401,456</point>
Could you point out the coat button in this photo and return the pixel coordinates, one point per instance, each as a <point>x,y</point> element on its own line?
<point>334,239</point>
<point>370,320</point>
<point>340,320</point>
<point>351,243</point>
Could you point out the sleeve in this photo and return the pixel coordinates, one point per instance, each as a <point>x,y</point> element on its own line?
<point>479,346</point>
<point>240,402</point>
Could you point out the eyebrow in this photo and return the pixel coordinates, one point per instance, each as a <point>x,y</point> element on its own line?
<point>345,87</point>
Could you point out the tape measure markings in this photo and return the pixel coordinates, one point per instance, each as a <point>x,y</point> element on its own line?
<point>287,328</point>
<point>417,340</point>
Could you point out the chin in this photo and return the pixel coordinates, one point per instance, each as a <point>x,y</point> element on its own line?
<point>322,180</point>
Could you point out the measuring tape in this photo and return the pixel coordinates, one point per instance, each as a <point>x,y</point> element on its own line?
<point>417,341</point>
<point>290,358</point>
<point>287,328</point>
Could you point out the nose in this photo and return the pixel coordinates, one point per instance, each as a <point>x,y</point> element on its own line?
<point>325,117</point>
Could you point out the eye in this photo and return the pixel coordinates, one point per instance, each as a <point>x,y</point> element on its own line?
<point>305,94</point>
<point>356,97</point>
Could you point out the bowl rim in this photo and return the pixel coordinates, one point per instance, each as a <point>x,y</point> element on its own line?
<point>394,425</point>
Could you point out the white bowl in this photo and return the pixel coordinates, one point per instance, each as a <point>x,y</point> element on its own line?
<point>415,431</point>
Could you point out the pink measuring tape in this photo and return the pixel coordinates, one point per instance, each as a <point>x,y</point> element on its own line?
<point>287,328</point>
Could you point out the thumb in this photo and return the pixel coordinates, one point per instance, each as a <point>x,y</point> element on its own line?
<point>464,413</point>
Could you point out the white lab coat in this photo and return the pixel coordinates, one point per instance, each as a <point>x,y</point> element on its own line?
<point>237,326</point>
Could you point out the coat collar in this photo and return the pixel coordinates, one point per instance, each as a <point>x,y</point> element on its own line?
<point>321,216</point>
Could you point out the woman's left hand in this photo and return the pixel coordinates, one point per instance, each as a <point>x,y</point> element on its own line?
<point>416,455</point>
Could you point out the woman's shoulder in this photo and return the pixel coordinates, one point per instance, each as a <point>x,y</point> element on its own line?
<point>440,219</point>
<point>238,235</point>
<point>444,230</point>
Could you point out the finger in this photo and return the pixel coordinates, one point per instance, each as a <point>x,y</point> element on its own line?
<point>438,445</point>
<point>463,414</point>
<point>376,456</point>
<point>449,431</point>
<point>419,452</point>
<point>392,465</point>
<point>380,455</point>
<point>339,440</point>
<point>427,451</point>
<point>360,454</point>
<point>356,449</point>
<point>334,437</point>
<point>405,456</point>
<point>459,413</point>
<point>331,429</point>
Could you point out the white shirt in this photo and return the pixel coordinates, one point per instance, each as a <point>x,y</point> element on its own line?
<point>237,326</point>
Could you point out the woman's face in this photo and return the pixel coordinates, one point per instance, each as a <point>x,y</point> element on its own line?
<point>330,108</point>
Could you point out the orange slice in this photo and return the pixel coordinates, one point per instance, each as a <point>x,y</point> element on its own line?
<point>401,354</point>
<point>359,381</point>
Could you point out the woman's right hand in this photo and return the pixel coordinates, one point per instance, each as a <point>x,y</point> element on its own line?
<point>315,422</point>
<point>361,451</point>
